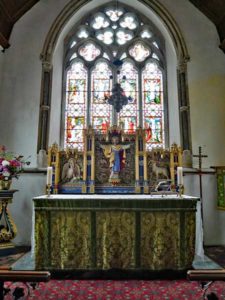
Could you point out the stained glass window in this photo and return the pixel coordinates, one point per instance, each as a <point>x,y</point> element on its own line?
<point>129,21</point>
<point>114,14</point>
<point>89,52</point>
<point>123,36</point>
<point>75,111</point>
<point>106,36</point>
<point>115,44</point>
<point>129,117</point>
<point>101,111</point>
<point>146,34</point>
<point>153,109</point>
<point>100,21</point>
<point>83,32</point>
<point>139,52</point>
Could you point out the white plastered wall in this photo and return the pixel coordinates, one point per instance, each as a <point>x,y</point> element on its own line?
<point>20,98</point>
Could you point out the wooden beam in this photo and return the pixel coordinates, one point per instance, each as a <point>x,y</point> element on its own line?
<point>10,12</point>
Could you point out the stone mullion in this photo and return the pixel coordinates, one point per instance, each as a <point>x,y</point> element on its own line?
<point>184,107</point>
<point>45,103</point>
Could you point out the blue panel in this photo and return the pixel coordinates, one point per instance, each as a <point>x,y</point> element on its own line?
<point>70,190</point>
<point>115,190</point>
<point>88,170</point>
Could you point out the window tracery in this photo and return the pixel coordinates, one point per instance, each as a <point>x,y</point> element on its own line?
<point>115,45</point>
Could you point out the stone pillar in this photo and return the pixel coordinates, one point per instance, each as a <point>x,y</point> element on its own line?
<point>184,107</point>
<point>45,102</point>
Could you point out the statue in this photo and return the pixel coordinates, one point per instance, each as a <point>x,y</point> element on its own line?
<point>116,154</point>
<point>71,171</point>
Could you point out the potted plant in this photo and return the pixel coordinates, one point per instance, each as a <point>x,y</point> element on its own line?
<point>10,166</point>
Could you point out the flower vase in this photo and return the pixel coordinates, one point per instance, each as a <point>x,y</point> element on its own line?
<point>5,184</point>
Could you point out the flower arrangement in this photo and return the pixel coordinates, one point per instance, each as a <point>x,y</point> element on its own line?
<point>10,165</point>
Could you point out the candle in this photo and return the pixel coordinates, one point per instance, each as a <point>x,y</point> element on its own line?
<point>180,180</point>
<point>49,176</point>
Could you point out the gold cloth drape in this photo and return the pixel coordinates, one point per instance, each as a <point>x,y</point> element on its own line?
<point>128,234</point>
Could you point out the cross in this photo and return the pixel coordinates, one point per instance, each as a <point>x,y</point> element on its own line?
<point>200,157</point>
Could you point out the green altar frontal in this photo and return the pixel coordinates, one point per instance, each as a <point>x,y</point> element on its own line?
<point>95,232</point>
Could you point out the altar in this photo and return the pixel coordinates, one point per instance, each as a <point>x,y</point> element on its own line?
<point>117,204</point>
<point>100,232</point>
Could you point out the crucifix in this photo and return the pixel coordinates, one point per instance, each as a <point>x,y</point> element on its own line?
<point>200,157</point>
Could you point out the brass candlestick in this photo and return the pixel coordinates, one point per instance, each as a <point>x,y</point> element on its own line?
<point>180,190</point>
<point>48,190</point>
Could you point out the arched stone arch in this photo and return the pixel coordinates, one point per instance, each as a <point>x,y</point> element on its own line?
<point>48,50</point>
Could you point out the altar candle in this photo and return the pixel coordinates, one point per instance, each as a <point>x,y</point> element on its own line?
<point>180,176</point>
<point>49,176</point>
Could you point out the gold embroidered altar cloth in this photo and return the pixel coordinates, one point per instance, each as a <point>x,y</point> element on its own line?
<point>114,231</point>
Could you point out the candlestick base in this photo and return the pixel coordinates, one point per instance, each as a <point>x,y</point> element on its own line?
<point>180,190</point>
<point>48,190</point>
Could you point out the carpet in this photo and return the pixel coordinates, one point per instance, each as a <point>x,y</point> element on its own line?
<point>121,290</point>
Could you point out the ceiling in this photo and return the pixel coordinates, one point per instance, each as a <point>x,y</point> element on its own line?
<point>12,10</point>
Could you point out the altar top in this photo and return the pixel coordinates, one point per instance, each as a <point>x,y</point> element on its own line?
<point>117,202</point>
<point>117,197</point>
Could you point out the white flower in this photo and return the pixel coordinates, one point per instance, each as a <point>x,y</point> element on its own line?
<point>5,173</point>
<point>5,163</point>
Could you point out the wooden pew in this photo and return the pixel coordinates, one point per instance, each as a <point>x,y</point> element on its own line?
<point>22,276</point>
<point>207,277</point>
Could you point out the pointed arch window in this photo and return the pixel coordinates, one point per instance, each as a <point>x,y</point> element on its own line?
<point>115,45</point>
<point>101,111</point>
<point>153,108</point>
<point>129,115</point>
<point>76,105</point>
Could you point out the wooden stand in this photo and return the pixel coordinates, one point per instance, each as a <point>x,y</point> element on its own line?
<point>7,226</point>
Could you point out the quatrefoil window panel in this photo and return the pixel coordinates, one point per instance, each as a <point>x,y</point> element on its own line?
<point>114,14</point>
<point>129,21</point>
<point>106,36</point>
<point>139,52</point>
<point>100,21</point>
<point>89,52</point>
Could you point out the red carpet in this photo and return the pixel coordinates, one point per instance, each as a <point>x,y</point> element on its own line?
<point>121,290</point>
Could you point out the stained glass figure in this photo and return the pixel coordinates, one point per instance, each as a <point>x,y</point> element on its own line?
<point>75,110</point>
<point>100,21</point>
<point>128,116</point>
<point>74,132</point>
<point>123,36</point>
<point>106,36</point>
<point>129,21</point>
<point>139,52</point>
<point>114,14</point>
<point>89,52</point>
<point>101,85</point>
<point>153,110</point>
